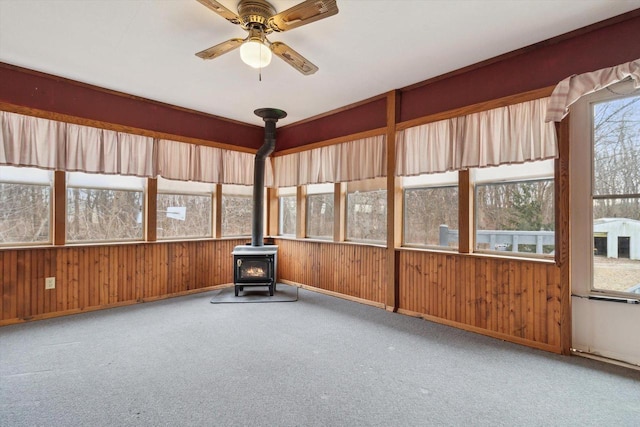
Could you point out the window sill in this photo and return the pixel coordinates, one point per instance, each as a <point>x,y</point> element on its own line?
<point>478,254</point>
<point>619,297</point>
<point>328,240</point>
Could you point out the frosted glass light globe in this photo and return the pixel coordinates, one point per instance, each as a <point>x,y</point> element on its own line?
<point>255,54</point>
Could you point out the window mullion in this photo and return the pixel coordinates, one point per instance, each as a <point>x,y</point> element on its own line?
<point>465,212</point>
<point>340,212</point>
<point>151,226</point>
<point>59,208</point>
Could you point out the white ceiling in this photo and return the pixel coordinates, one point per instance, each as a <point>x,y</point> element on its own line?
<point>147,47</point>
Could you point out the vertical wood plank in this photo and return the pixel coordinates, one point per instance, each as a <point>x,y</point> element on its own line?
<point>51,271</point>
<point>527,301</point>
<point>61,274</point>
<point>563,230</point>
<point>20,280</point>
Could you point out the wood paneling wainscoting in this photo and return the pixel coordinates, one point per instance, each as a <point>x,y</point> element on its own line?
<point>512,299</point>
<point>95,277</point>
<point>516,300</point>
<point>352,270</point>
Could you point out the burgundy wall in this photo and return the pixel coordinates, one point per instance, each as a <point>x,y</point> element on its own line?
<point>371,115</point>
<point>50,93</point>
<point>535,68</point>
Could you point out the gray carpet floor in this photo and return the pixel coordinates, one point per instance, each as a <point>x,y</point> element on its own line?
<point>321,361</point>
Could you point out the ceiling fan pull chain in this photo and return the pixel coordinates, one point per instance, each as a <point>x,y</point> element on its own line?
<point>260,69</point>
<point>262,46</point>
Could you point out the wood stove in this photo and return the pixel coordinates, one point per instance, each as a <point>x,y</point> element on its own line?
<point>254,266</point>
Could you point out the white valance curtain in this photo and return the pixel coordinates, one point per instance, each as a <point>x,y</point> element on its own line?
<point>191,162</point>
<point>512,134</point>
<point>31,141</point>
<point>49,144</point>
<point>199,163</point>
<point>174,160</point>
<point>349,161</point>
<point>94,150</point>
<point>574,87</point>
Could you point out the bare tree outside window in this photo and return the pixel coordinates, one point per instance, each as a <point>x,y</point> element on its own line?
<point>104,215</point>
<point>25,212</point>
<point>236,215</point>
<point>184,215</point>
<point>429,213</point>
<point>367,215</point>
<point>320,215</point>
<point>616,194</point>
<point>287,214</point>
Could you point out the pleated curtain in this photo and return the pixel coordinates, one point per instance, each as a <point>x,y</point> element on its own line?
<point>49,144</point>
<point>31,141</point>
<point>512,134</point>
<point>94,150</point>
<point>349,161</point>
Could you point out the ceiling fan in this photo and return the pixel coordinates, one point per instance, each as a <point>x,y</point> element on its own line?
<point>259,18</point>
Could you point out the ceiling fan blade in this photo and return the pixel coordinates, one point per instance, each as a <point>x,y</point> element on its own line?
<point>221,10</point>
<point>220,49</point>
<point>293,58</point>
<point>301,14</point>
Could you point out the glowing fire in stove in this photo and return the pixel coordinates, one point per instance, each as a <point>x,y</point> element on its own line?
<point>253,271</point>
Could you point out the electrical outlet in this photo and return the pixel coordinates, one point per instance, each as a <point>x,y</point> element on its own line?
<point>50,283</point>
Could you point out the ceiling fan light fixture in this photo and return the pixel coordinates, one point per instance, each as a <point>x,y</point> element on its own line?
<point>259,19</point>
<point>255,54</point>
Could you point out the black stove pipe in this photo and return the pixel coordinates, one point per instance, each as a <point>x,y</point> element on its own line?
<point>270,117</point>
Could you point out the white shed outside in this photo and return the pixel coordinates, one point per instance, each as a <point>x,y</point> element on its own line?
<point>617,238</point>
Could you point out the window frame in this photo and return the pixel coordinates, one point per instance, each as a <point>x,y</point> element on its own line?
<point>281,218</point>
<point>583,113</point>
<point>311,190</point>
<point>515,180</point>
<point>244,191</point>
<point>174,193</point>
<point>286,192</point>
<point>365,186</point>
<point>174,188</point>
<point>440,180</point>
<point>405,210</point>
<point>51,218</point>
<point>143,209</point>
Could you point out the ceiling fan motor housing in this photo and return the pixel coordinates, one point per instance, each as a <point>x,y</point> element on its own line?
<point>254,12</point>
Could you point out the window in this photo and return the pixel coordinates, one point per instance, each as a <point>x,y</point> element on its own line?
<point>287,211</point>
<point>184,209</point>
<point>25,205</point>
<point>367,210</point>
<point>431,210</point>
<point>237,210</point>
<point>320,210</point>
<point>615,126</point>
<point>514,208</point>
<point>104,207</point>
